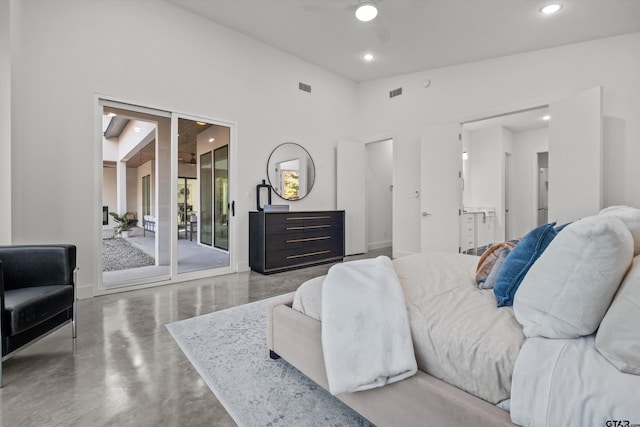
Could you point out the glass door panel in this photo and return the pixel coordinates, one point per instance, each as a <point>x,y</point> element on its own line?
<point>195,217</point>
<point>135,242</point>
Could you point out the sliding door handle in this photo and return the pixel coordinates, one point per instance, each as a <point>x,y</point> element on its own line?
<point>233,208</point>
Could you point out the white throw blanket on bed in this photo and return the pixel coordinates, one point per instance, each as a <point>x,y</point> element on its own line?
<point>366,337</point>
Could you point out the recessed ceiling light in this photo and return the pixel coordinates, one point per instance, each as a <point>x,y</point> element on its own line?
<point>366,10</point>
<point>201,123</point>
<point>546,118</point>
<point>211,139</point>
<point>368,57</point>
<point>136,129</point>
<point>551,8</point>
<point>111,114</point>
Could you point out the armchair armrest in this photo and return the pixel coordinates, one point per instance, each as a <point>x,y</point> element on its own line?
<point>38,265</point>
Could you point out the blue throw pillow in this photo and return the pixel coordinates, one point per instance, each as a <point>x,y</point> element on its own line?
<point>519,260</point>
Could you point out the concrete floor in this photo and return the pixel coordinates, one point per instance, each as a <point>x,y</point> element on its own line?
<point>124,369</point>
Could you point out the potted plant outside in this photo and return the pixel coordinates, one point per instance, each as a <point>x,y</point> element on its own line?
<point>123,227</point>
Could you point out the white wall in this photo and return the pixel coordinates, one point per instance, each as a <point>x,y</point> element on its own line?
<point>6,9</point>
<point>157,55</point>
<point>524,189</point>
<point>379,178</point>
<point>132,191</point>
<point>485,157</point>
<point>255,86</point>
<point>485,88</point>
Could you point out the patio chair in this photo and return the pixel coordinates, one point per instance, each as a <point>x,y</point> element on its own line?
<point>37,293</point>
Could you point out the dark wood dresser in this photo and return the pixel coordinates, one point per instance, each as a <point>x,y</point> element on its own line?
<point>280,241</point>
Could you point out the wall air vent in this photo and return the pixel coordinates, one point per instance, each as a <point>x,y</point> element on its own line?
<point>305,87</point>
<point>395,92</point>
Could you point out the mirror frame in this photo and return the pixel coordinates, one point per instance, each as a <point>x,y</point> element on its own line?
<point>313,178</point>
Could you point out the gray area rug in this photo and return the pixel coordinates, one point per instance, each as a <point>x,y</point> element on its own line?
<point>118,254</point>
<point>228,349</point>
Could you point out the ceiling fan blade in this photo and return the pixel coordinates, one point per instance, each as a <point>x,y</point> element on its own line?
<point>326,7</point>
<point>381,30</point>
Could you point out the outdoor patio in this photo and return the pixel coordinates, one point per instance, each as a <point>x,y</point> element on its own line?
<point>134,257</point>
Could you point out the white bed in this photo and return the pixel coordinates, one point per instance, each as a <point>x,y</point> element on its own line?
<point>459,335</point>
<point>567,353</point>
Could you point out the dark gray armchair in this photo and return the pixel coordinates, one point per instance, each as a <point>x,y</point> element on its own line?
<point>37,293</point>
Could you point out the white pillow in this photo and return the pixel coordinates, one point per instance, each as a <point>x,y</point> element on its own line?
<point>618,338</point>
<point>631,218</point>
<point>567,291</point>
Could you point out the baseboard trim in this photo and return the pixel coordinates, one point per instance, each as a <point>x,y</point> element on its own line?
<point>379,245</point>
<point>84,292</point>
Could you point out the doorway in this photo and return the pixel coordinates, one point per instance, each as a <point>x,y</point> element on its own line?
<point>543,188</point>
<point>379,194</point>
<point>500,172</point>
<point>368,214</point>
<point>154,185</point>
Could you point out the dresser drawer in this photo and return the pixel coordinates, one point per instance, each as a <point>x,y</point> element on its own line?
<point>283,223</point>
<point>304,239</point>
<point>287,258</point>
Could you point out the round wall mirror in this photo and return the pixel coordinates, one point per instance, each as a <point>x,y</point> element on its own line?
<point>291,171</point>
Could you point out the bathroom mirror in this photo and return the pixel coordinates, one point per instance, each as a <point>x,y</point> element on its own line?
<point>291,171</point>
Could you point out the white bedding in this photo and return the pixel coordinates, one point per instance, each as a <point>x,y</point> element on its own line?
<point>459,335</point>
<point>549,375</point>
<point>366,339</point>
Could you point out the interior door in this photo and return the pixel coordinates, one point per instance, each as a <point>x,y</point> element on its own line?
<point>351,182</point>
<point>575,145</point>
<point>440,183</point>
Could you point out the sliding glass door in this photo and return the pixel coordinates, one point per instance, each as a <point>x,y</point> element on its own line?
<point>168,176</point>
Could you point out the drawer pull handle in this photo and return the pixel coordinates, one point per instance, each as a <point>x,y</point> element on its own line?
<point>307,217</point>
<point>308,227</point>
<point>309,254</point>
<point>308,239</point>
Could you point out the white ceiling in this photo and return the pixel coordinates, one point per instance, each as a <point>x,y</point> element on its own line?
<point>415,35</point>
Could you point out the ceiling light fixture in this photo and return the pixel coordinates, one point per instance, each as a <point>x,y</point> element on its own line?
<point>546,118</point>
<point>366,10</point>
<point>551,8</point>
<point>201,123</point>
<point>368,57</point>
<point>211,139</point>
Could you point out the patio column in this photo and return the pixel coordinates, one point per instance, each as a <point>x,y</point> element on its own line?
<point>163,192</point>
<point>121,190</point>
